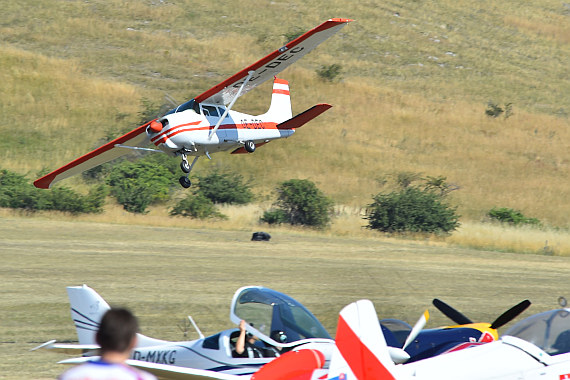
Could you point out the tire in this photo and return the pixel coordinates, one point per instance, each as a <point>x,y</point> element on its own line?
<point>249,146</point>
<point>185,182</point>
<point>185,166</point>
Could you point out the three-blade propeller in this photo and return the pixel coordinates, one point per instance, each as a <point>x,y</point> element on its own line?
<point>461,319</point>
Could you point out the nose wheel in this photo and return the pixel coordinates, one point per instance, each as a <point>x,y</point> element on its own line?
<point>185,182</point>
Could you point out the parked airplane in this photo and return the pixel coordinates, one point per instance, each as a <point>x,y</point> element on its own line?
<point>271,315</point>
<point>537,348</point>
<point>207,123</point>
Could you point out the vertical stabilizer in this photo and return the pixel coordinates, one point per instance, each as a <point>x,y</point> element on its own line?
<point>87,309</point>
<point>280,109</point>
<point>362,350</point>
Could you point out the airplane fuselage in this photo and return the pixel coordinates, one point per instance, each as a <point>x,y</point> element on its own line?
<point>192,133</point>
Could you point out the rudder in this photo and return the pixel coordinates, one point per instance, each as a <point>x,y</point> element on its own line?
<point>280,109</point>
<point>87,309</point>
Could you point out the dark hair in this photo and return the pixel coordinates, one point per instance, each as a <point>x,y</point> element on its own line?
<point>116,331</point>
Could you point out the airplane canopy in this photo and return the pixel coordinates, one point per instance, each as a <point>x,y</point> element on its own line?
<point>550,331</point>
<point>275,317</point>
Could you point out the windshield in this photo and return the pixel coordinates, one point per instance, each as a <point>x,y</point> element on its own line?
<point>549,330</point>
<point>276,316</point>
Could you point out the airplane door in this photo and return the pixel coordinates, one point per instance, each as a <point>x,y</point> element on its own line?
<point>212,114</point>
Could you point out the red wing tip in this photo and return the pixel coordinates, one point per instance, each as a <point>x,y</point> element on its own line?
<point>43,183</point>
<point>341,19</point>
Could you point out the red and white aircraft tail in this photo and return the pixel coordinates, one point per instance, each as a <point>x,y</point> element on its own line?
<point>362,350</point>
<point>280,109</point>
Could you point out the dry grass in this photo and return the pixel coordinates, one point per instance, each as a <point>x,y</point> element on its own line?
<point>164,273</point>
<point>416,80</point>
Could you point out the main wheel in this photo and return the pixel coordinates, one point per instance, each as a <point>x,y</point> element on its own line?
<point>249,146</point>
<point>185,182</point>
<point>185,166</point>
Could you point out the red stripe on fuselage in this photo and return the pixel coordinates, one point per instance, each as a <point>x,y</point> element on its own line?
<point>278,91</point>
<point>157,140</point>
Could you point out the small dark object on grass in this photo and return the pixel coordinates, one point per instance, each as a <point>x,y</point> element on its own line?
<point>260,236</point>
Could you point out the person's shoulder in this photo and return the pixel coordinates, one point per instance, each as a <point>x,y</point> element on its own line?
<point>101,370</point>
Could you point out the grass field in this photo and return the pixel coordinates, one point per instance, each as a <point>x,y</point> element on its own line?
<point>164,273</point>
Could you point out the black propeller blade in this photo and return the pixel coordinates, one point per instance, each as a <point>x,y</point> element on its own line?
<point>451,313</point>
<point>510,314</point>
<point>460,319</point>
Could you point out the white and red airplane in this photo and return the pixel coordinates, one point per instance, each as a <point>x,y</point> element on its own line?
<point>536,348</point>
<point>207,124</point>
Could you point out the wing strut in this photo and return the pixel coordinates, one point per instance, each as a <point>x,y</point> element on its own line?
<point>249,75</point>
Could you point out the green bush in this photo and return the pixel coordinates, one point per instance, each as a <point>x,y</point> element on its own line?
<point>196,206</point>
<point>330,73</point>
<point>301,202</point>
<point>138,184</point>
<point>510,216</point>
<point>18,193</point>
<point>222,187</point>
<point>274,216</point>
<point>411,210</point>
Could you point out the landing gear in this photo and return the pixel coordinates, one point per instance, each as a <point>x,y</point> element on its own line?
<point>186,168</point>
<point>184,165</point>
<point>249,146</point>
<point>185,182</point>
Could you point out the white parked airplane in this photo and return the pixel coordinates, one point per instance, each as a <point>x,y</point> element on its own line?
<point>207,124</point>
<point>269,314</point>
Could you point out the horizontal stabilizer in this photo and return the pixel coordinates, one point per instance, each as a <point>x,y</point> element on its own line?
<point>304,117</point>
<point>114,149</point>
<point>67,348</point>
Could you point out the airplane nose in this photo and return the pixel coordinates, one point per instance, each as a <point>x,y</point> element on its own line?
<point>155,126</point>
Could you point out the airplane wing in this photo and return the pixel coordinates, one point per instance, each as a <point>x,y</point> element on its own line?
<point>165,371</point>
<point>271,65</point>
<point>114,149</point>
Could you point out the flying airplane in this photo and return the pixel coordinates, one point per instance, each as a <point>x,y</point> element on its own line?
<point>207,123</point>
<point>436,341</point>
<point>537,347</point>
<point>270,315</point>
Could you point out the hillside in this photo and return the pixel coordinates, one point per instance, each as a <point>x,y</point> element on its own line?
<point>417,77</point>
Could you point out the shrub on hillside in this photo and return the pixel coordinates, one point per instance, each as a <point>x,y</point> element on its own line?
<point>225,188</point>
<point>411,209</point>
<point>330,73</point>
<point>138,184</point>
<point>196,206</point>
<point>18,193</point>
<point>299,201</point>
<point>510,216</point>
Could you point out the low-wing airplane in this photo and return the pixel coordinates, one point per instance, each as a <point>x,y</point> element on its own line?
<point>270,315</point>
<point>436,341</point>
<point>535,348</point>
<point>207,124</point>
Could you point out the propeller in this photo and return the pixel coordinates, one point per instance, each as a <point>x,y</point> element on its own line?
<point>399,355</point>
<point>510,314</point>
<point>451,313</point>
<point>461,319</point>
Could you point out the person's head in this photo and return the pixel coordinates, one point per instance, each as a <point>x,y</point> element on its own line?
<point>117,331</point>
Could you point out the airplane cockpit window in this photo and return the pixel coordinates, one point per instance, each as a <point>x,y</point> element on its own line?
<point>270,311</point>
<point>222,110</point>
<point>191,104</point>
<point>210,111</point>
<point>212,342</point>
<point>549,330</point>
